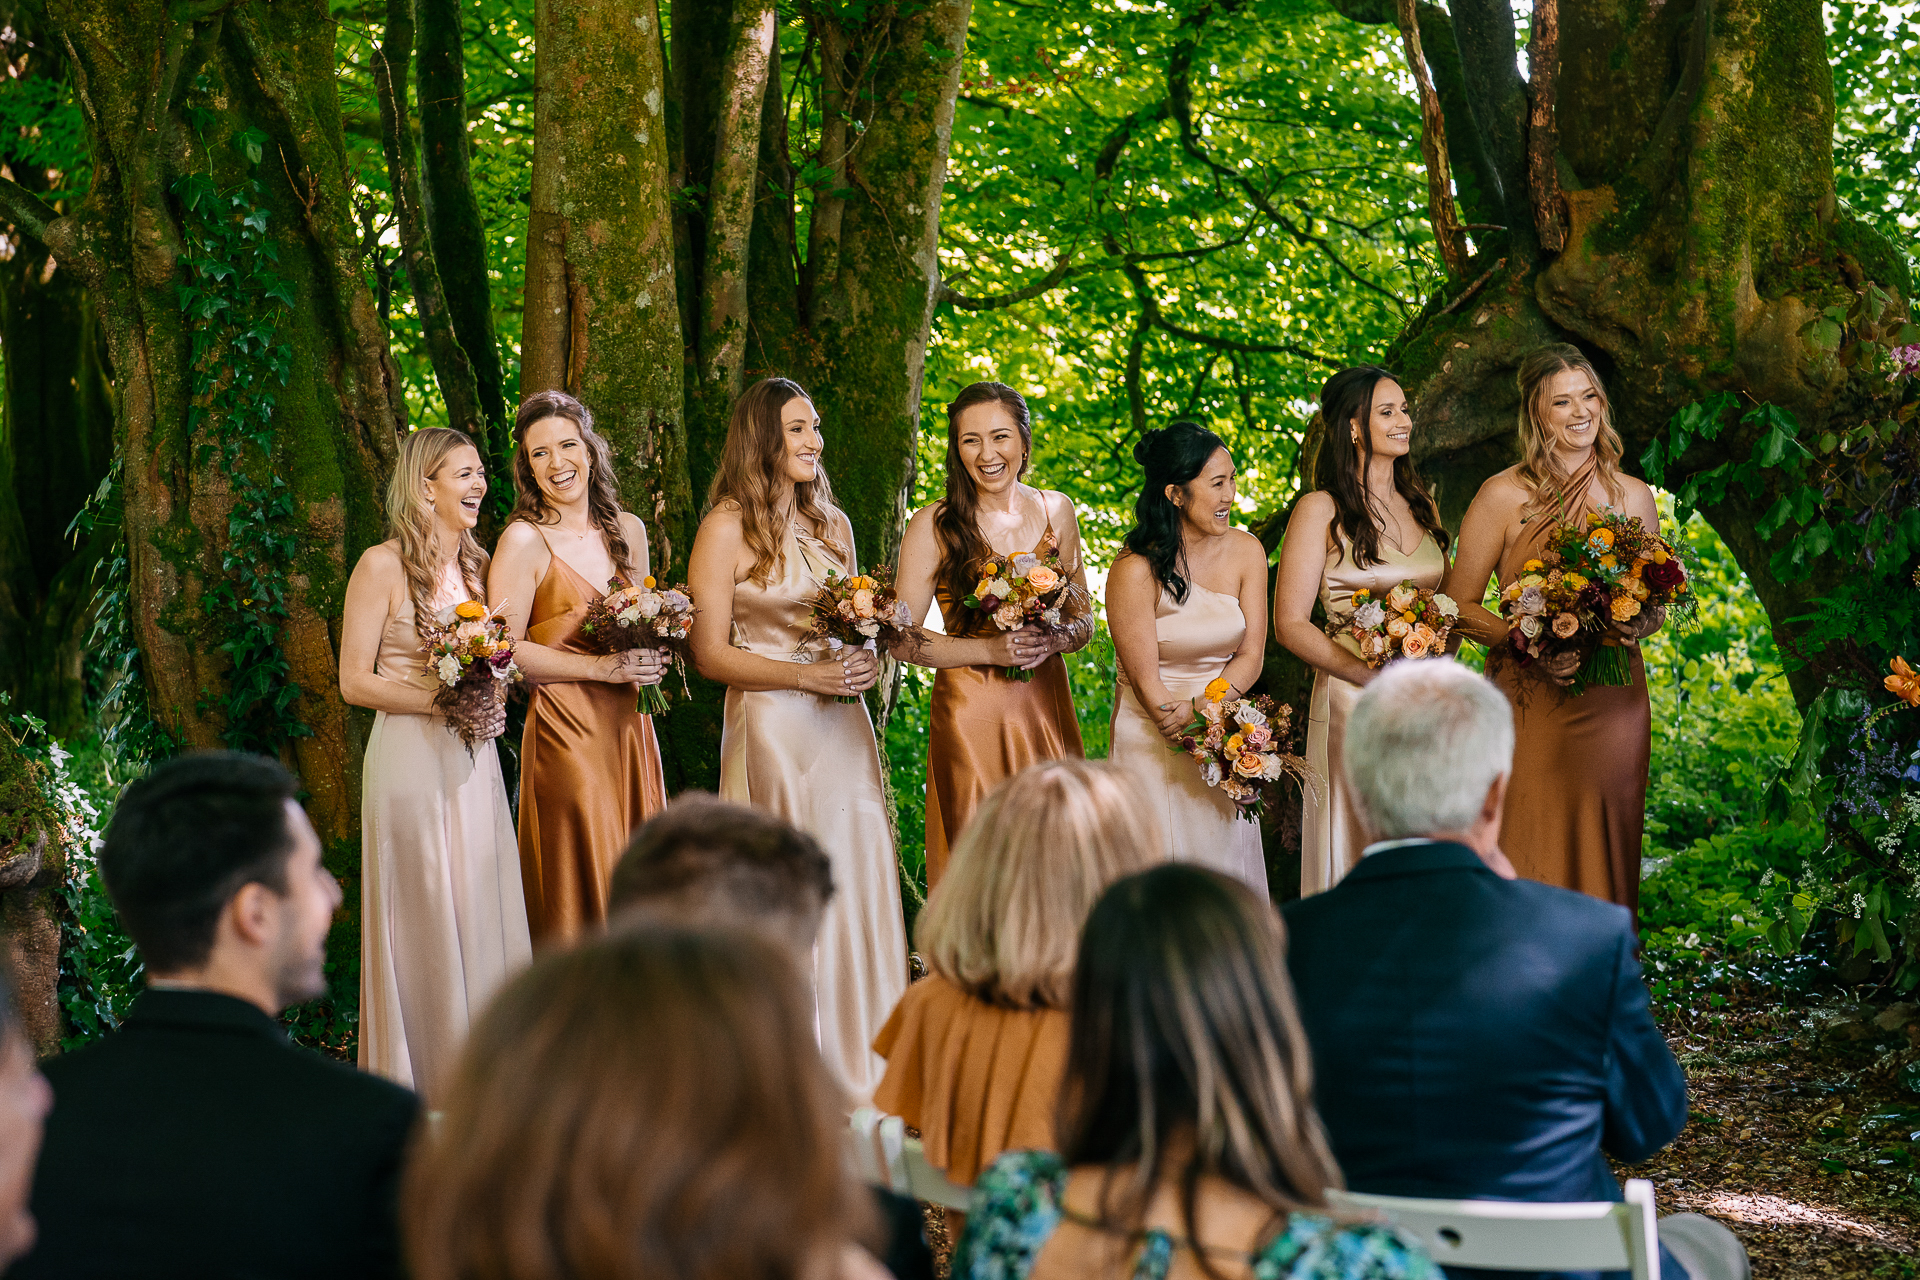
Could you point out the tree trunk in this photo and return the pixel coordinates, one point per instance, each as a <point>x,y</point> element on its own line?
<point>197,114</point>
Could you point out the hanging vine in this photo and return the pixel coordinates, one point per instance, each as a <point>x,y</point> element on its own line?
<point>233,299</point>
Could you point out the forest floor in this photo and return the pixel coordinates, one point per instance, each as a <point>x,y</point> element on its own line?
<point>1805,1133</point>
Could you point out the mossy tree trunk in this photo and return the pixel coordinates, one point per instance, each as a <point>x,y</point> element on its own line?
<point>226,93</point>
<point>1702,238</point>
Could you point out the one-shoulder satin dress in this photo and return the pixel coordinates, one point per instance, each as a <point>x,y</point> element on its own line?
<point>1330,835</point>
<point>983,727</point>
<point>1197,640</point>
<point>813,761</point>
<point>443,922</point>
<point>589,772</point>
<point>1578,798</point>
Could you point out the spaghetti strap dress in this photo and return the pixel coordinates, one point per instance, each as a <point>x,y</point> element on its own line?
<point>443,922</point>
<point>589,772</point>
<point>1577,801</point>
<point>1330,833</point>
<point>984,727</point>
<point>812,761</point>
<point>1197,640</point>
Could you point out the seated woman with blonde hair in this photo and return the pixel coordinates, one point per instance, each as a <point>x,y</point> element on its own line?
<point>1189,1145</point>
<point>650,1103</point>
<point>975,1050</point>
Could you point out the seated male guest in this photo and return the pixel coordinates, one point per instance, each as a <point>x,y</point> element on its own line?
<point>1477,1036</point>
<point>704,862</point>
<point>196,1141</point>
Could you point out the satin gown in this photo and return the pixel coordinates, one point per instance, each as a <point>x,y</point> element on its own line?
<point>1197,640</point>
<point>443,922</point>
<point>1578,798</point>
<point>813,761</point>
<point>589,773</point>
<point>1331,837</point>
<point>983,728</point>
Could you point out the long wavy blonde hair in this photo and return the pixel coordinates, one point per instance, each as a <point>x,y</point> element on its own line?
<point>1004,922</point>
<point>410,519</point>
<point>603,492</point>
<point>1538,469</point>
<point>752,467</point>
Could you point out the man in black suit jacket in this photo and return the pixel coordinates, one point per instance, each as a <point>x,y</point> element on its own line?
<point>195,1140</point>
<point>1476,1036</point>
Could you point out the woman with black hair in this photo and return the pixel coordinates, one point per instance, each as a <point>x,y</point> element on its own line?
<point>1184,603</point>
<point>1189,1145</point>
<point>1370,524</point>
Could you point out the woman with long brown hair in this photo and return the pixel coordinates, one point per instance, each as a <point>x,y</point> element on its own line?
<point>649,1104</point>
<point>769,539</point>
<point>589,762</point>
<point>983,726</point>
<point>442,919</point>
<point>1370,524</point>
<point>1189,1145</point>
<point>1578,797</point>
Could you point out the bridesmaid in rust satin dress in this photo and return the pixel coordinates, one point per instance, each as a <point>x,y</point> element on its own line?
<point>589,763</point>
<point>770,536</point>
<point>1577,802</point>
<point>984,726</point>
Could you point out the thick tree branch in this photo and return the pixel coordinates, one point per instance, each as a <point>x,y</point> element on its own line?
<point>822,267</point>
<point>451,368</point>
<point>1447,234</point>
<point>1497,98</point>
<point>730,199</point>
<point>1543,133</point>
<point>27,211</point>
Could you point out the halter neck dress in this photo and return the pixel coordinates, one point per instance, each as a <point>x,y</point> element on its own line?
<point>1200,824</point>
<point>1330,833</point>
<point>1577,802</point>
<point>443,923</point>
<point>984,727</point>
<point>589,771</point>
<point>813,761</point>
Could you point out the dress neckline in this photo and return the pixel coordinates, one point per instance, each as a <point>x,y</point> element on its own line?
<point>592,592</point>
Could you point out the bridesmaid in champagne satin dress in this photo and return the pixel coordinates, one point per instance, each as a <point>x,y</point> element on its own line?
<point>1345,535</point>
<point>1576,805</point>
<point>443,923</point>
<point>1170,648</point>
<point>984,726</point>
<point>788,745</point>
<point>589,763</point>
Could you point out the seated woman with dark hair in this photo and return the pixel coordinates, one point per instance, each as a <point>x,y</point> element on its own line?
<point>1189,1143</point>
<point>649,1103</point>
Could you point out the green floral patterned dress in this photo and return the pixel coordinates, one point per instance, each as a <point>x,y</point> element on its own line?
<point>1016,1206</point>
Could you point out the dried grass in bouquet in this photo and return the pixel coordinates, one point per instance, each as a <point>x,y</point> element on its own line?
<point>647,616</point>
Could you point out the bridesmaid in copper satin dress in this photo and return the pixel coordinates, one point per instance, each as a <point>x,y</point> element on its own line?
<point>1187,604</point>
<point>985,727</point>
<point>589,763</point>
<point>442,920</point>
<point>1347,534</point>
<point>1578,798</point>
<point>770,536</point>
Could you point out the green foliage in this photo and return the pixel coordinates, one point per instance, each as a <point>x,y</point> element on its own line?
<point>233,297</point>
<point>45,131</point>
<point>1876,144</point>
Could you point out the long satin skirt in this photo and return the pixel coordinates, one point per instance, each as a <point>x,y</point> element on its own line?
<point>443,922</point>
<point>1578,799</point>
<point>589,774</point>
<point>1331,836</point>
<point>1200,823</point>
<point>813,762</point>
<point>984,728</point>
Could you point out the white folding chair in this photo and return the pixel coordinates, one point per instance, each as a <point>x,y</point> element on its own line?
<point>1506,1235</point>
<point>885,1156</point>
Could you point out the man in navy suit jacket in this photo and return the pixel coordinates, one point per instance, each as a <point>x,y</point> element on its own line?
<point>1476,1036</point>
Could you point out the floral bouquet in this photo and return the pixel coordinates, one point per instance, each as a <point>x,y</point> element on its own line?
<point>642,617</point>
<point>1029,590</point>
<point>470,654</point>
<point>1608,569</point>
<point>1240,746</point>
<point>854,611</point>
<point>1410,622</point>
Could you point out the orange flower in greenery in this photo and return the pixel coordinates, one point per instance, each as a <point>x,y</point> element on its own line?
<point>1903,683</point>
<point>469,609</point>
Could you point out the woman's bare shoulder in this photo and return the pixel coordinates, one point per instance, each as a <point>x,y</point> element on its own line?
<point>519,535</point>
<point>382,560</point>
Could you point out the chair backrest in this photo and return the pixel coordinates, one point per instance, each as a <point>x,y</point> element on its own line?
<point>1506,1235</point>
<point>885,1156</point>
